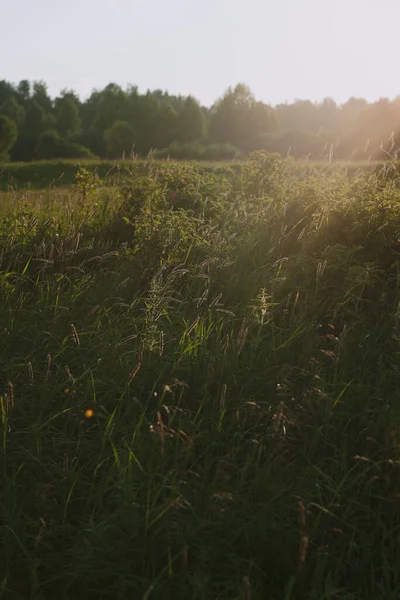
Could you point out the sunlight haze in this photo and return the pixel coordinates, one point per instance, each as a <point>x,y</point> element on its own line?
<point>282,50</point>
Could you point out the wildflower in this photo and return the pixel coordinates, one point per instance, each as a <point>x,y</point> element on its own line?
<point>89,413</point>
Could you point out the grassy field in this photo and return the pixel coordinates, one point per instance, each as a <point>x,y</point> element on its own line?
<point>56,173</point>
<point>199,386</point>
<point>45,174</point>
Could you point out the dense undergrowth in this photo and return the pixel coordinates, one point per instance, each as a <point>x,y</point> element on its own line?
<point>200,386</point>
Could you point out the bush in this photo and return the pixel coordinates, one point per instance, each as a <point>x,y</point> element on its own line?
<point>90,139</point>
<point>51,145</point>
<point>176,186</point>
<point>72,150</point>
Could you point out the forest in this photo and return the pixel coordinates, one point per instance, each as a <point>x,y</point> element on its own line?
<point>116,122</point>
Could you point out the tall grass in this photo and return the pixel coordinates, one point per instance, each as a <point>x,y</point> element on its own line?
<point>200,386</point>
<point>56,173</point>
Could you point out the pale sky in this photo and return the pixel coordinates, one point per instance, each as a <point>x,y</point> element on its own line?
<point>282,49</point>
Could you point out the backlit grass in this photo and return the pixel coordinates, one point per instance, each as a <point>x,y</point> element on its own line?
<point>200,386</point>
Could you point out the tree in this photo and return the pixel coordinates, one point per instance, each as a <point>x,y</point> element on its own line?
<point>35,121</point>
<point>112,106</point>
<point>49,145</point>
<point>238,118</point>
<point>301,115</point>
<point>6,91</point>
<point>143,121</point>
<point>34,125</point>
<point>65,93</point>
<point>164,125</point>
<point>352,109</point>
<point>119,139</point>
<point>89,110</point>
<point>8,135</point>
<point>67,118</point>
<point>13,110</point>
<point>328,114</point>
<point>24,90</point>
<point>191,122</point>
<point>298,144</point>
<point>114,121</point>
<point>41,96</point>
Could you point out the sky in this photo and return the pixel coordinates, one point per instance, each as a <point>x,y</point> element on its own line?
<point>282,49</point>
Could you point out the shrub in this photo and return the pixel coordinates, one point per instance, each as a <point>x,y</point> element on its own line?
<point>51,145</point>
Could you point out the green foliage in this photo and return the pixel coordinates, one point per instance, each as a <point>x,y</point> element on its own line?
<point>8,135</point>
<point>44,174</point>
<point>120,139</point>
<point>67,118</point>
<point>35,121</point>
<point>176,185</point>
<point>72,150</point>
<point>299,144</point>
<point>199,150</point>
<point>87,183</point>
<point>14,111</point>
<point>49,145</point>
<point>41,96</point>
<point>179,126</point>
<point>237,118</point>
<point>191,357</point>
<point>165,126</point>
<point>52,145</point>
<point>6,91</point>
<point>111,107</point>
<point>24,90</point>
<point>191,122</point>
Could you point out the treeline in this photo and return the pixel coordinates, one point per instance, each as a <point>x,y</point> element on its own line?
<point>115,122</point>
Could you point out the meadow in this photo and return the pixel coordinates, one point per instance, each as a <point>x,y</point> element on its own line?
<point>40,175</point>
<point>199,384</point>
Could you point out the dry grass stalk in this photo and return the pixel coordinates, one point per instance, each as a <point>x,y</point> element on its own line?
<point>75,335</point>
<point>304,537</point>
<point>135,371</point>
